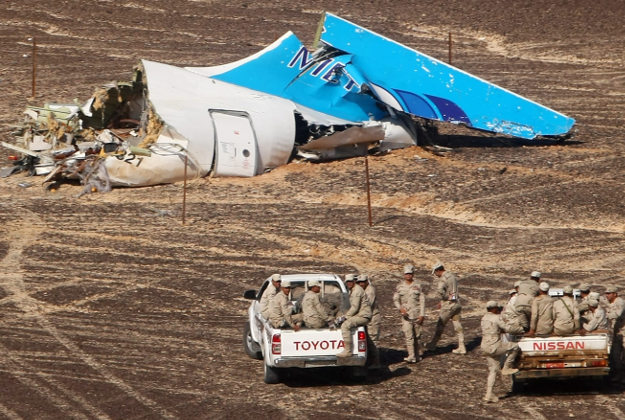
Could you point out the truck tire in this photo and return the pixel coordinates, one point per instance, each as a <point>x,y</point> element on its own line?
<point>251,347</point>
<point>271,375</point>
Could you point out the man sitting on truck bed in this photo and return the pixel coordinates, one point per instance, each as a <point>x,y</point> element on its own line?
<point>270,292</point>
<point>358,314</point>
<point>527,290</point>
<point>373,327</point>
<point>541,322</point>
<point>513,318</point>
<point>596,318</point>
<point>582,303</point>
<point>281,309</point>
<point>565,313</point>
<point>314,314</point>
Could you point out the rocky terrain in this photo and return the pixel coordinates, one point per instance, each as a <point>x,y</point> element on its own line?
<point>110,307</point>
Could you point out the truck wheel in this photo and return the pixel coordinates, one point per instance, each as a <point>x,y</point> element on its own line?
<point>251,347</point>
<point>271,375</point>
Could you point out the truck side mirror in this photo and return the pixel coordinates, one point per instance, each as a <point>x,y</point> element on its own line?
<point>250,294</point>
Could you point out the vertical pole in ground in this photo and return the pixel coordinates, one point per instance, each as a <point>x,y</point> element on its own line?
<point>368,189</point>
<point>34,84</point>
<point>184,188</point>
<point>449,56</point>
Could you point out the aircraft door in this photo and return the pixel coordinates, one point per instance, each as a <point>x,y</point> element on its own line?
<point>236,153</point>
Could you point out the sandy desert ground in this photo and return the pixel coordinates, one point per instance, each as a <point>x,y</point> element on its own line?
<point>111,308</point>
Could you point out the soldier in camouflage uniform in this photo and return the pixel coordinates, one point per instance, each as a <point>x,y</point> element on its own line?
<point>565,313</point>
<point>494,348</point>
<point>616,317</point>
<point>358,314</point>
<point>270,291</point>
<point>281,309</point>
<point>314,314</point>
<point>449,305</point>
<point>510,316</point>
<point>373,328</point>
<point>595,318</point>
<point>582,303</point>
<point>528,289</point>
<point>410,301</point>
<point>541,322</point>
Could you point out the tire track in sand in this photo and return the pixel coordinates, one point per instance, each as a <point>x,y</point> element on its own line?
<point>20,235</point>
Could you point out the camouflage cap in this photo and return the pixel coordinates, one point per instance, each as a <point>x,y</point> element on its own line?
<point>349,277</point>
<point>492,304</point>
<point>362,278</point>
<point>312,283</point>
<point>276,277</point>
<point>584,287</point>
<point>544,286</point>
<point>535,274</point>
<point>593,302</point>
<point>286,283</point>
<point>594,295</point>
<point>567,290</point>
<point>610,289</point>
<point>437,266</point>
<point>408,269</point>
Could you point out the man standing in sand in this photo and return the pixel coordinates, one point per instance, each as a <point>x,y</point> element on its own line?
<point>410,301</point>
<point>494,348</point>
<point>449,306</point>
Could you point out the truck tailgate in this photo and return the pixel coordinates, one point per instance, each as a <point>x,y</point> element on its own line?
<point>578,355</point>
<point>312,343</point>
<point>578,344</point>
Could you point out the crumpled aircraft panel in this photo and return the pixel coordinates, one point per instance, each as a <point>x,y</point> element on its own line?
<point>423,86</point>
<point>356,69</point>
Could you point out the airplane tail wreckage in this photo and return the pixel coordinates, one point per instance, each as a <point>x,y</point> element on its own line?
<point>357,90</point>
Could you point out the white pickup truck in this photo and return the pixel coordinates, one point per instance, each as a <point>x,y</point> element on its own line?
<point>306,348</point>
<point>563,357</point>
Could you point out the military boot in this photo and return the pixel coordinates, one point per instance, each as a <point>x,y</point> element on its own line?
<point>509,371</point>
<point>461,349</point>
<point>347,351</point>
<point>510,359</point>
<point>490,398</point>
